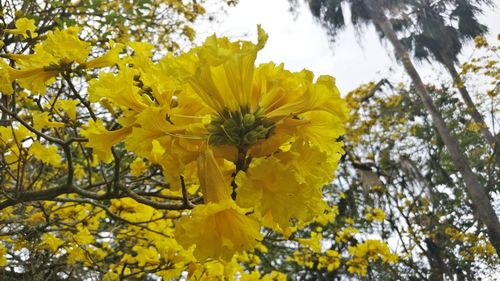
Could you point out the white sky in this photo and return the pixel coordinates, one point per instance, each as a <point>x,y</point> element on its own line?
<point>300,42</point>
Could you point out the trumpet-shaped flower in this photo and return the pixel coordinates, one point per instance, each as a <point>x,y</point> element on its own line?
<point>272,189</point>
<point>46,154</point>
<point>218,228</point>
<point>101,140</point>
<point>5,79</point>
<point>57,52</point>
<point>41,121</point>
<point>264,106</point>
<point>24,27</point>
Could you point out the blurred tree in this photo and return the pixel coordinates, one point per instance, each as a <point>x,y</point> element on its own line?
<point>398,182</point>
<point>331,15</point>
<point>438,30</point>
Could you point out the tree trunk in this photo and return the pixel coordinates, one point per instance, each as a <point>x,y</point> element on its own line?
<point>472,110</point>
<point>478,196</point>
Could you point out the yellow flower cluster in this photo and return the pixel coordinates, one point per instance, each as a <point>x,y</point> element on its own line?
<point>258,140</point>
<point>369,251</point>
<point>57,54</point>
<point>258,143</point>
<point>374,214</point>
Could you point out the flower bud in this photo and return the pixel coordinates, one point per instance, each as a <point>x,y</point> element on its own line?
<point>248,120</point>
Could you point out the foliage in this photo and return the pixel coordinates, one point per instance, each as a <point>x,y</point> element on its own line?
<point>168,24</point>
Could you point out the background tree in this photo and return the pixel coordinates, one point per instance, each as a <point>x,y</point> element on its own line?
<point>398,182</point>
<point>439,29</point>
<point>330,13</point>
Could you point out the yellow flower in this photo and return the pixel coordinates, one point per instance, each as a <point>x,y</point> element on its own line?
<point>157,152</point>
<point>119,89</point>
<point>76,254</point>
<point>3,252</point>
<point>271,187</point>
<point>368,251</point>
<point>51,242</point>
<point>41,121</point>
<point>137,167</point>
<point>37,217</point>
<point>329,260</point>
<point>69,106</point>
<point>480,41</point>
<point>24,27</point>
<point>83,236</point>
<point>374,214</point>
<point>263,106</point>
<point>101,140</point>
<point>310,165</point>
<point>5,79</point>
<point>345,234</point>
<point>8,136</point>
<point>46,154</point>
<point>146,256</point>
<point>218,228</point>
<point>56,53</point>
<point>131,210</point>
<point>79,172</point>
<point>314,242</point>
<point>108,59</point>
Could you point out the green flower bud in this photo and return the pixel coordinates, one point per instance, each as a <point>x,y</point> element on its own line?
<point>248,120</point>
<point>250,138</point>
<point>230,124</point>
<point>213,128</point>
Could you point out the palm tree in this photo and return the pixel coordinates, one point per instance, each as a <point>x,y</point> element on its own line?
<point>331,15</point>
<point>431,34</point>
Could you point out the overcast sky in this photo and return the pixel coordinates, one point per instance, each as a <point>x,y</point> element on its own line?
<point>300,42</point>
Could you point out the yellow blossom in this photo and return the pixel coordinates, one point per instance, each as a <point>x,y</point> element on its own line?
<point>329,260</point>
<point>46,154</point>
<point>24,27</point>
<point>51,242</point>
<point>374,214</point>
<point>69,106</point>
<point>37,217</point>
<point>272,189</point>
<point>147,256</point>
<point>132,210</point>
<point>79,172</point>
<point>41,121</point>
<point>3,252</point>
<point>58,51</point>
<point>5,79</point>
<point>480,41</point>
<point>137,167</point>
<point>219,220</point>
<point>110,58</point>
<point>83,236</point>
<point>101,140</point>
<point>76,254</point>
<point>314,242</point>
<point>345,234</point>
<point>368,251</point>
